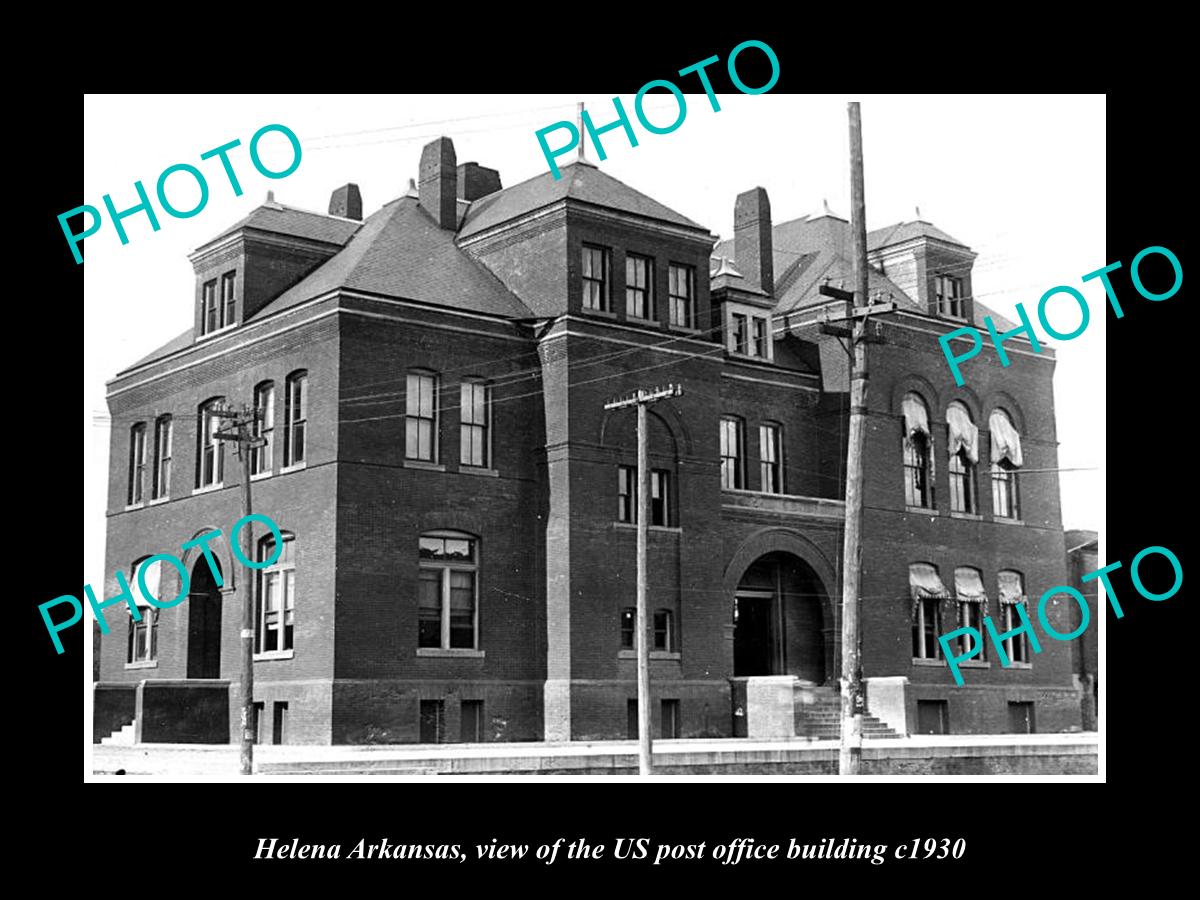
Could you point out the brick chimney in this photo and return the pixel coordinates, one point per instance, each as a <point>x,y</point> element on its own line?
<point>439,182</point>
<point>346,202</point>
<point>475,181</point>
<point>752,239</point>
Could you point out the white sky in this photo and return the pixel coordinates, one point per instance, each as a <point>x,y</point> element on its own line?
<point>1021,180</point>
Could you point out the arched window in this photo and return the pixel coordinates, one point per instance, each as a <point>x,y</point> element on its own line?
<point>1012,593</point>
<point>420,419</point>
<point>143,634</point>
<point>295,424</point>
<point>972,607</point>
<point>1006,459</point>
<point>918,480</point>
<point>264,428</point>
<point>137,463</point>
<point>210,452</point>
<point>447,601</point>
<point>927,592</point>
<point>964,454</point>
<point>275,610</point>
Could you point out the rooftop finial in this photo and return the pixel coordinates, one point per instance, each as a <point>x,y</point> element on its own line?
<point>919,219</point>
<point>412,189</point>
<point>581,156</point>
<point>828,211</point>
<point>270,196</point>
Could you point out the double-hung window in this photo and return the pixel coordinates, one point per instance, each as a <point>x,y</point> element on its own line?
<point>770,458</point>
<point>137,463</point>
<point>264,428</point>
<point>595,277</point>
<point>228,298</point>
<point>1007,458</point>
<point>927,592</point>
<point>964,454</point>
<point>950,296</point>
<point>143,632</point>
<point>1012,593</point>
<point>664,638</point>
<point>681,296</point>
<point>276,608</point>
<point>732,452</point>
<point>162,457</point>
<point>972,607</point>
<point>210,314</point>
<point>627,496</point>
<point>295,422</point>
<point>917,469</point>
<point>210,455</point>
<point>447,601</point>
<point>420,422</point>
<point>639,286</point>
<point>475,410</point>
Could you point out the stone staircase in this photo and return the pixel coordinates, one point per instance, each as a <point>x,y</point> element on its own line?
<point>819,716</point>
<point>124,737</point>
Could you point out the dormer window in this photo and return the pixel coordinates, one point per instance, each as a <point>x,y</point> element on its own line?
<point>595,278</point>
<point>748,332</point>
<point>217,313</point>
<point>950,297</point>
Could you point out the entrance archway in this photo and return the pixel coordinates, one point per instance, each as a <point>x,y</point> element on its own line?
<point>204,622</point>
<point>779,620</point>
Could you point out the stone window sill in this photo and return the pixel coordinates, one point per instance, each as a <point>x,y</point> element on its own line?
<point>212,334</point>
<point>922,510</point>
<point>295,467</point>
<point>208,488</point>
<point>599,313</point>
<point>157,500</point>
<point>479,470</point>
<point>1018,665</point>
<point>654,654</point>
<point>974,517</point>
<point>1001,520</point>
<point>450,653</point>
<point>630,526</point>
<point>684,329</point>
<point>144,664</point>
<point>638,320</point>
<point>261,476</point>
<point>423,464</point>
<point>929,662</point>
<point>274,654</point>
<point>974,664</point>
<point>130,507</point>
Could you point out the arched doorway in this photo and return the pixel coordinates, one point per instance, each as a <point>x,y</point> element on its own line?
<point>779,620</point>
<point>204,622</point>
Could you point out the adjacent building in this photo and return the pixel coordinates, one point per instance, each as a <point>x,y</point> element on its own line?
<point>458,510</point>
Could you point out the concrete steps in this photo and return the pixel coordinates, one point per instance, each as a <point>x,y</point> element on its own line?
<point>124,737</point>
<point>819,716</point>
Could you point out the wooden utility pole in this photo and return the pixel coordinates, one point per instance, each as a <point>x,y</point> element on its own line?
<point>850,754</point>
<point>641,400</point>
<point>247,441</point>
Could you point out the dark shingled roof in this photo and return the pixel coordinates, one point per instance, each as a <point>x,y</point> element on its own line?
<point>280,219</point>
<point>401,252</point>
<point>171,346</point>
<point>583,182</point>
<point>806,251</point>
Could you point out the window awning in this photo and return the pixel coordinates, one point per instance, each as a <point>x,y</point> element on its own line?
<point>968,585</point>
<point>153,580</point>
<point>924,583</point>
<point>1006,442</point>
<point>916,419</point>
<point>963,433</point>
<point>1010,588</point>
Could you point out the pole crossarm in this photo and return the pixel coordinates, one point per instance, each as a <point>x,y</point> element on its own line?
<point>646,396</point>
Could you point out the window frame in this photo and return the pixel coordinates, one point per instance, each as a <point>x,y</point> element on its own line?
<point>262,459</point>
<point>277,572</point>
<point>471,427</point>
<point>921,627</point>
<point>148,624</point>
<point>205,440</point>
<point>772,462</point>
<point>1004,485</point>
<point>627,620</point>
<point>1018,642</point>
<point>963,495</point>
<point>667,630</point>
<point>160,482</point>
<point>950,303</point>
<point>971,614</point>
<point>917,460</point>
<point>604,281</point>
<point>414,420</point>
<point>685,302</point>
<point>740,333</point>
<point>647,291</point>
<point>660,481</point>
<point>446,568</point>
<point>295,419</point>
<point>208,308</point>
<point>759,338</point>
<point>737,461</point>
<point>228,298</point>
<point>135,494</point>
<point>627,499</point>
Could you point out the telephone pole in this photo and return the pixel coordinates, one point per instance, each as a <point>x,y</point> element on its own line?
<point>641,400</point>
<point>242,431</point>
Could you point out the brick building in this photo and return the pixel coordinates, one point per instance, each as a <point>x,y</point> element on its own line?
<point>1083,559</point>
<point>457,506</point>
